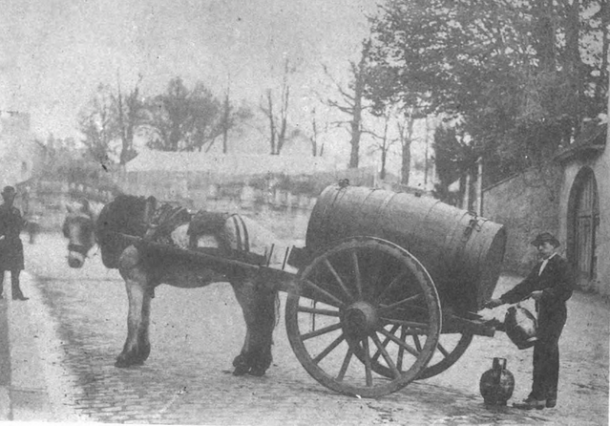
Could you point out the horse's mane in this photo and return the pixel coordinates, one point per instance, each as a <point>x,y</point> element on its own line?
<point>122,215</point>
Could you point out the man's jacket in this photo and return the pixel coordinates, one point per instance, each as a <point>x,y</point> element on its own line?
<point>555,281</point>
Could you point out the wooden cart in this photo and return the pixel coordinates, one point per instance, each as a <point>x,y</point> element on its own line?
<point>387,288</point>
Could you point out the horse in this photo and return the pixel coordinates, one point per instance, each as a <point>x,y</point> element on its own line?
<point>144,268</point>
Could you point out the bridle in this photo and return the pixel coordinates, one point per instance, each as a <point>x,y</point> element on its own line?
<point>85,220</point>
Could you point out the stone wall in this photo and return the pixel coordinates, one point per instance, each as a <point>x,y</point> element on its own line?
<point>526,205</point>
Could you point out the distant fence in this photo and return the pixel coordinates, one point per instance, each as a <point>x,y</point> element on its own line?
<point>45,200</point>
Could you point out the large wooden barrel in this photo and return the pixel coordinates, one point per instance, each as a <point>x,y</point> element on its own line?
<point>462,252</point>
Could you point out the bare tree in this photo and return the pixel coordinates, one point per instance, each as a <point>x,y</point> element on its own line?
<point>229,117</point>
<point>278,115</point>
<point>317,148</point>
<point>404,127</point>
<point>226,118</point>
<point>383,143</point>
<point>352,101</point>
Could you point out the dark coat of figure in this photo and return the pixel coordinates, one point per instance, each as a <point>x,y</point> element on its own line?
<point>550,284</point>
<point>11,247</point>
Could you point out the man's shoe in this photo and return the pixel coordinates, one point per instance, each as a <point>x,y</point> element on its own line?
<point>530,404</point>
<point>551,402</point>
<point>20,298</point>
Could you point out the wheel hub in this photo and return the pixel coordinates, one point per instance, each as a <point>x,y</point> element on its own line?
<point>360,320</point>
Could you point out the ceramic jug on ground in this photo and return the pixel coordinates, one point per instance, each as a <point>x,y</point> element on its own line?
<point>497,384</point>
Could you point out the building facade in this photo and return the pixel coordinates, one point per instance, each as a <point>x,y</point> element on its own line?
<point>584,211</point>
<point>571,199</point>
<point>20,155</point>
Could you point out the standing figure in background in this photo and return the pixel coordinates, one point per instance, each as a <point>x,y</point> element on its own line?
<point>11,247</point>
<point>550,284</point>
<point>32,227</point>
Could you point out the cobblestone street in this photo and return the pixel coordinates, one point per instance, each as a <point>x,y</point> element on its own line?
<point>196,333</point>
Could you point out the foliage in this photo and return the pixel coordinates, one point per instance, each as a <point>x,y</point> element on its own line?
<point>180,119</point>
<point>185,119</point>
<point>453,157</point>
<point>98,122</point>
<point>63,161</point>
<point>129,117</point>
<point>520,77</point>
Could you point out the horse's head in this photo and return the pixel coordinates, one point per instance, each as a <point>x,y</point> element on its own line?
<point>79,229</point>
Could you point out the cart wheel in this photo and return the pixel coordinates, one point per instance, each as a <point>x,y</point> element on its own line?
<point>450,348</point>
<point>338,321</point>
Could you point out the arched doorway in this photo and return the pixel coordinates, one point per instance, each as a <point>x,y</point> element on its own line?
<point>583,222</point>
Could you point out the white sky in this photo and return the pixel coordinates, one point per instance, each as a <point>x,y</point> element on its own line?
<point>53,53</point>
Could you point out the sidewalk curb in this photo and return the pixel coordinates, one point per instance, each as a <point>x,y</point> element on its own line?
<point>5,364</point>
<point>34,393</point>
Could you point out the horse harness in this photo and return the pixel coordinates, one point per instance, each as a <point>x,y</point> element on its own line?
<point>162,221</point>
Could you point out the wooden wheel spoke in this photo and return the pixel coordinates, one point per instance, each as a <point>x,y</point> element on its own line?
<point>345,364</point>
<point>416,342</point>
<point>410,325</point>
<point>357,274</point>
<point>376,273</point>
<point>386,356</point>
<point>333,271</point>
<point>451,350</point>
<point>400,343</point>
<point>328,349</point>
<point>321,331</point>
<point>368,371</point>
<point>389,286</point>
<point>318,311</point>
<point>401,350</point>
<point>325,296</point>
<point>385,342</point>
<point>442,349</point>
<point>386,309</point>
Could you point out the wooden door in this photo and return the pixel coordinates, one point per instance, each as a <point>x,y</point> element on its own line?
<point>586,220</point>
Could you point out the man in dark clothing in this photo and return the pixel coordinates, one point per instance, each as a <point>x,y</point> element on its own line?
<point>11,248</point>
<point>550,284</point>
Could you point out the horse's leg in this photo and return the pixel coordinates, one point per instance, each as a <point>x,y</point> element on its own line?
<point>244,293</point>
<point>262,338</point>
<point>137,346</point>
<point>258,306</point>
<point>143,341</point>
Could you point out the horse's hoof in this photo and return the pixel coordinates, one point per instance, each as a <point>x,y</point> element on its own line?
<point>121,363</point>
<point>241,370</point>
<point>257,371</point>
<point>239,360</point>
<point>125,363</point>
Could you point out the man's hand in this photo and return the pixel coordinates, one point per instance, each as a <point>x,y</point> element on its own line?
<point>536,295</point>
<point>493,303</point>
